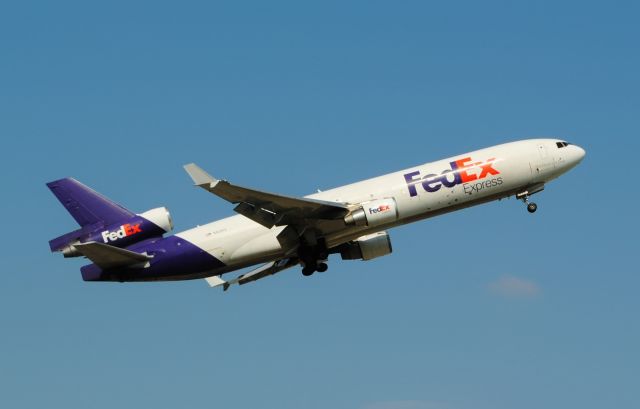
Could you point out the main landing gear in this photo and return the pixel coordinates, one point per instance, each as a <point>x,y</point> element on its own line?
<point>313,258</point>
<point>310,268</point>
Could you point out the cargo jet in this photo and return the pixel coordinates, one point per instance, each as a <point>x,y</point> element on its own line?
<point>278,232</point>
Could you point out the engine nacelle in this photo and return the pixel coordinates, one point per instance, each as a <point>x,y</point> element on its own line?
<point>152,223</point>
<point>373,213</point>
<point>161,217</point>
<point>367,247</point>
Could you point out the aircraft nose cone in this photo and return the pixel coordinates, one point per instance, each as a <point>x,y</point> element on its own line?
<point>579,153</point>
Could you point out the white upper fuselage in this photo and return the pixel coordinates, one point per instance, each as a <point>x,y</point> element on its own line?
<point>419,192</point>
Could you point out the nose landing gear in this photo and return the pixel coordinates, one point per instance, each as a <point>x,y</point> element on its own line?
<point>531,207</point>
<point>524,196</point>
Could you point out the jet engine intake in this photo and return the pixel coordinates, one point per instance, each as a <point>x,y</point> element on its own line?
<point>367,247</point>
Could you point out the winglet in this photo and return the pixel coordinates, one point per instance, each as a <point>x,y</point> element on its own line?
<point>215,281</point>
<point>263,271</point>
<point>199,176</point>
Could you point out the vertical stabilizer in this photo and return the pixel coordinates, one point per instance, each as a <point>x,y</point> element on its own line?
<point>86,205</point>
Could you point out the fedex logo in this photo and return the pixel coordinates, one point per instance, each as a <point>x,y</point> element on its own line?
<point>463,170</point>
<point>379,209</point>
<point>124,231</point>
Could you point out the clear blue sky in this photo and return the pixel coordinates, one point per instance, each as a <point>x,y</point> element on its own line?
<point>488,308</point>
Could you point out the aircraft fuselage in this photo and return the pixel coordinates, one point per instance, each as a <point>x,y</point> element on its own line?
<point>513,169</point>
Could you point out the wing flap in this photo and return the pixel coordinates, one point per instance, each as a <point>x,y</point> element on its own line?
<point>108,257</point>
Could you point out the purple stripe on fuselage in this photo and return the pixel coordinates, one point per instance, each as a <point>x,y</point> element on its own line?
<point>173,259</point>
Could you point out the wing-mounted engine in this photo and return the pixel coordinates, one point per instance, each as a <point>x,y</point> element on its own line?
<point>373,213</point>
<point>139,227</point>
<point>367,247</point>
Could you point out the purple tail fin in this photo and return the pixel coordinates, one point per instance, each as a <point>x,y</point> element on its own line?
<point>87,206</point>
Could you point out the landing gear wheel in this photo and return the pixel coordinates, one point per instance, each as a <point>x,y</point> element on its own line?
<point>308,270</point>
<point>322,267</point>
<point>532,207</point>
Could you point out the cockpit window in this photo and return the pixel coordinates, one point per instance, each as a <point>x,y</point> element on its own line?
<point>562,144</point>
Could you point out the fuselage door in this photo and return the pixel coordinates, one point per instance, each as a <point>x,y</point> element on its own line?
<point>545,159</point>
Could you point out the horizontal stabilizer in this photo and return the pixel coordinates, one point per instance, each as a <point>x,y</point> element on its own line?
<point>107,257</point>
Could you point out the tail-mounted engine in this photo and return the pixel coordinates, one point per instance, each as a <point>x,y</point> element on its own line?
<point>373,213</point>
<point>367,247</point>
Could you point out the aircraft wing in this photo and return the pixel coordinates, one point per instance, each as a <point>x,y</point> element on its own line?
<point>256,274</point>
<point>268,209</point>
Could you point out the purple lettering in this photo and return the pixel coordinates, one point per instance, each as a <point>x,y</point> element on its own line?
<point>411,182</point>
<point>431,183</point>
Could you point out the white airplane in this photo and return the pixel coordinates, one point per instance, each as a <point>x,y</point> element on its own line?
<point>281,231</point>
